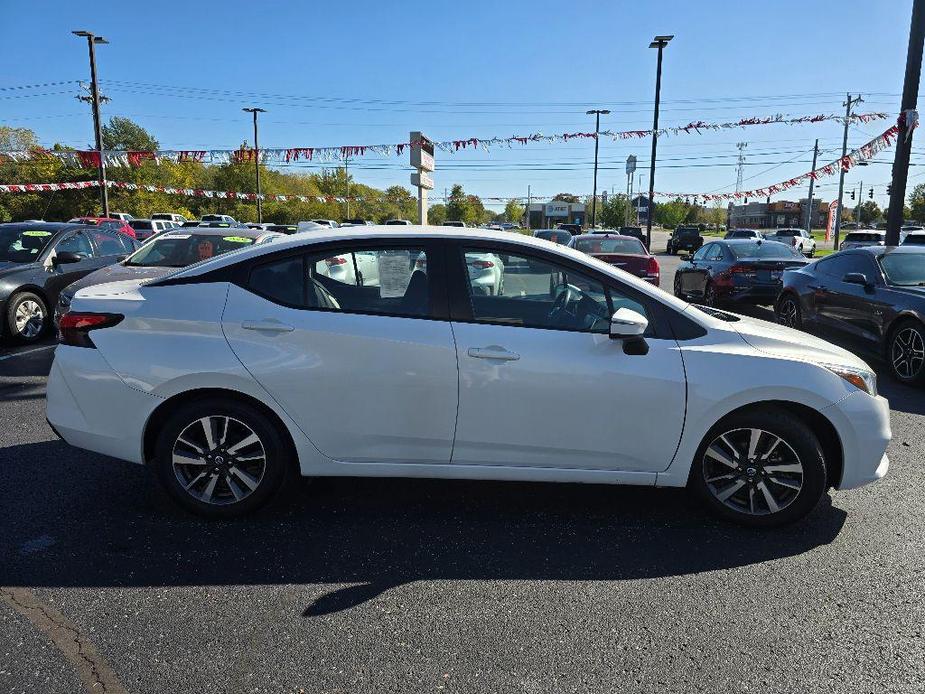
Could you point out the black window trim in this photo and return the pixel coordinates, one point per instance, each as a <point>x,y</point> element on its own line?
<point>436,276</point>
<point>461,308</point>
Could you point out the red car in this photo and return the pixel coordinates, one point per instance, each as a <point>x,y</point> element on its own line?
<point>117,224</point>
<point>625,252</point>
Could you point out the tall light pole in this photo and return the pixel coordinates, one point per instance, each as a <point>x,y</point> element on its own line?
<point>597,129</point>
<point>255,111</point>
<point>92,40</point>
<point>658,42</point>
<point>849,102</point>
<point>904,144</point>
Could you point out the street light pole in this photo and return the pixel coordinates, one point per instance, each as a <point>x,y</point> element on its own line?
<point>904,143</point>
<point>92,40</point>
<point>849,102</point>
<point>255,111</point>
<point>597,129</point>
<point>658,42</point>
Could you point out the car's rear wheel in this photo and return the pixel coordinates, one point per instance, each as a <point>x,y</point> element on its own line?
<point>709,295</point>
<point>788,312</point>
<point>27,317</point>
<point>669,249</point>
<point>221,459</point>
<point>761,467</point>
<point>677,287</point>
<point>906,352</point>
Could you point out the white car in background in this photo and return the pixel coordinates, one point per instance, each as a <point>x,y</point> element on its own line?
<point>800,239</point>
<point>329,223</point>
<point>486,272</point>
<point>234,375</point>
<point>863,237</point>
<point>177,219</point>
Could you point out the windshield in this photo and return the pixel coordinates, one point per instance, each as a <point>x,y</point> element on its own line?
<point>764,250</point>
<point>741,235</point>
<point>915,240</point>
<point>904,269</point>
<point>632,246</point>
<point>863,236</point>
<point>180,250</point>
<point>22,245</point>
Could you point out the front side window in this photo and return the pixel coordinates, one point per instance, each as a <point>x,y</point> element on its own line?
<point>716,252</point>
<point>75,243</point>
<point>702,252</point>
<point>386,281</point>
<point>840,265</point>
<point>531,292</point>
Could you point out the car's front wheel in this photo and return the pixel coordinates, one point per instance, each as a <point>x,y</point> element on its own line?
<point>788,312</point>
<point>27,317</point>
<point>906,352</point>
<point>221,458</point>
<point>760,467</point>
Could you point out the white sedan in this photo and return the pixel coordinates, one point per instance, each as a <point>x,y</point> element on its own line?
<point>233,375</point>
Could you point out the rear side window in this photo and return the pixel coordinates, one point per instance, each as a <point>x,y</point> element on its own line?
<point>107,244</point>
<point>281,281</point>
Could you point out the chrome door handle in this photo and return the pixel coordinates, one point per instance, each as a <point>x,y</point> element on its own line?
<point>270,326</point>
<point>493,352</point>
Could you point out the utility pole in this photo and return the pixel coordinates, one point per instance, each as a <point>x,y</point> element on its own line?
<point>849,102</point>
<point>597,139</point>
<point>809,202</point>
<point>255,111</point>
<point>528,206</point>
<point>904,143</point>
<point>741,164</point>
<point>658,42</point>
<point>857,208</point>
<point>92,40</point>
<point>347,181</point>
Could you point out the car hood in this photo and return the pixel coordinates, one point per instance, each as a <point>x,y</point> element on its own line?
<point>917,292</point>
<point>788,343</point>
<point>117,273</point>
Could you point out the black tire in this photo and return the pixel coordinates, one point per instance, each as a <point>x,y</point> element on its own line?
<point>800,440</point>
<point>277,465</point>
<point>812,251</point>
<point>677,287</point>
<point>709,295</point>
<point>788,313</point>
<point>904,352</point>
<point>25,301</point>
<point>669,249</point>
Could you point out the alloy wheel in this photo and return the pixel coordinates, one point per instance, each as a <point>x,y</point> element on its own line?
<point>788,313</point>
<point>219,460</point>
<point>908,353</point>
<point>29,319</point>
<point>752,471</point>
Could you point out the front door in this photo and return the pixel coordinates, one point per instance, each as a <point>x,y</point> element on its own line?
<point>540,382</point>
<point>63,274</point>
<point>360,361</point>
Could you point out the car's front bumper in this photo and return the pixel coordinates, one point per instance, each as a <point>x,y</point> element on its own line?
<point>863,425</point>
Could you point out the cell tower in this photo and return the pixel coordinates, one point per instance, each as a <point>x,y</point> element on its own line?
<point>741,166</point>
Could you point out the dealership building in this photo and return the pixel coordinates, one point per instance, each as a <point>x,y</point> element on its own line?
<point>546,215</point>
<point>777,214</point>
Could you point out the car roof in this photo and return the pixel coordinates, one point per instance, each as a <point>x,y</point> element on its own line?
<point>245,232</point>
<point>742,242</point>
<point>607,235</point>
<point>881,250</point>
<point>43,226</point>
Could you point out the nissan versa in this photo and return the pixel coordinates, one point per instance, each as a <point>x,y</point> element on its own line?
<point>231,376</point>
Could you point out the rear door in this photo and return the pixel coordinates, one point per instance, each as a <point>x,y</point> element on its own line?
<point>366,367</point>
<point>541,384</point>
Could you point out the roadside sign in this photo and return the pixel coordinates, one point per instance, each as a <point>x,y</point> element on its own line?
<point>422,152</point>
<point>630,164</point>
<point>422,180</point>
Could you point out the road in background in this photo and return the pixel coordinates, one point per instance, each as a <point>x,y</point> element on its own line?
<point>414,585</point>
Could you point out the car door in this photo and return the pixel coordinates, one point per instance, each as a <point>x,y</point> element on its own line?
<point>368,372</point>
<point>541,384</point>
<point>857,311</point>
<point>62,274</point>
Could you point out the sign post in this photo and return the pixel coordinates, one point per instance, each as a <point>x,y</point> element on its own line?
<point>630,170</point>
<point>422,159</point>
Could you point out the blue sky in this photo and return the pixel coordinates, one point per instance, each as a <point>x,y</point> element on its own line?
<point>461,69</point>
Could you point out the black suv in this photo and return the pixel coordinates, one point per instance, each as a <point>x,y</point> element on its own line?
<point>684,238</point>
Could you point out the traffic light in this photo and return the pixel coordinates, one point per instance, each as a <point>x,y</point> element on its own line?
<point>870,193</point>
<point>852,195</point>
<point>889,189</point>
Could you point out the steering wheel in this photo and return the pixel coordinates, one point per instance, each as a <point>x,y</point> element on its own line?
<point>561,304</point>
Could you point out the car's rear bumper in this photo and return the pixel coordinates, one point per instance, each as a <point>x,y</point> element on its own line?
<point>755,294</point>
<point>89,406</point>
<point>863,425</point>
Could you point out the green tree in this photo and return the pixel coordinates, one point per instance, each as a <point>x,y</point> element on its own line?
<point>458,207</point>
<point>613,212</point>
<point>565,197</point>
<point>670,214</point>
<point>436,214</point>
<point>124,133</point>
<point>917,202</point>
<point>870,212</point>
<point>17,138</point>
<point>513,211</point>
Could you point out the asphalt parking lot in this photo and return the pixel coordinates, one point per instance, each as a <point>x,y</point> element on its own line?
<point>412,585</point>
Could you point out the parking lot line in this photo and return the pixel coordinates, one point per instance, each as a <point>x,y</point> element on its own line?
<point>28,351</point>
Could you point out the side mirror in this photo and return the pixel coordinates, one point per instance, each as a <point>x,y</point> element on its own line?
<point>857,278</point>
<point>626,323</point>
<point>66,257</point>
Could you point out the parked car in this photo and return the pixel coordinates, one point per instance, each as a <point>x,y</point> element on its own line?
<point>398,222</point>
<point>283,228</point>
<point>191,223</point>
<point>310,226</point>
<point>38,260</point>
<point>163,254</point>
<point>739,270</point>
<point>800,239</point>
<point>257,225</point>
<point>123,216</point>
<point>178,219</point>
<point>684,238</point>
<point>330,223</point>
<point>636,233</point>
<point>744,234</point>
<point>226,218</point>
<point>507,226</point>
<point>146,228</point>
<point>562,236</point>
<point>109,222</point>
<point>422,376</point>
<point>624,252</point>
<point>454,223</point>
<point>914,238</point>
<point>573,229</point>
<point>357,221</point>
<point>486,273</point>
<point>872,298</point>
<point>867,237</point>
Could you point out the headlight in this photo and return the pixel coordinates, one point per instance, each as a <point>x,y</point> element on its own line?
<point>859,378</point>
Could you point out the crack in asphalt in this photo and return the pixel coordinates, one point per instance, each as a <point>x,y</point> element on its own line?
<point>92,668</point>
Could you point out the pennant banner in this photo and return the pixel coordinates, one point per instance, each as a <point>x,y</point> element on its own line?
<point>91,158</point>
<point>42,187</point>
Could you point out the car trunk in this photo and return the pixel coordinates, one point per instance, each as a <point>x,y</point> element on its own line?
<point>766,270</point>
<point>634,264</point>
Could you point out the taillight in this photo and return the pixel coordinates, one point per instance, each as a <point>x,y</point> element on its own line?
<point>73,328</point>
<point>482,264</point>
<point>744,271</point>
<point>336,260</point>
<point>652,270</point>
